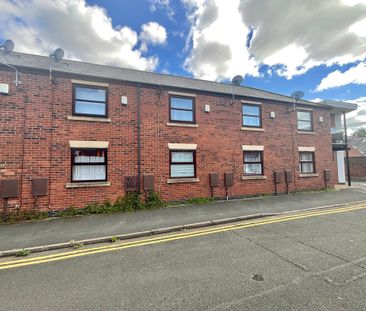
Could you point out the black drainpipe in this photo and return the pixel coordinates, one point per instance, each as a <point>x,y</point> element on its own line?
<point>347,154</point>
<point>138,137</point>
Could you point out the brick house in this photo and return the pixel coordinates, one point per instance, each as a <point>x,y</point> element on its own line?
<point>73,132</point>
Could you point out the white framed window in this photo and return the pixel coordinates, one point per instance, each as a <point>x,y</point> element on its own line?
<point>253,163</point>
<point>88,164</point>
<point>307,162</point>
<point>305,120</point>
<point>182,164</point>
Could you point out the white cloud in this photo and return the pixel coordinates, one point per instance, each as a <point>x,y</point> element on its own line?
<point>292,36</point>
<point>218,40</point>
<point>316,100</point>
<point>356,119</point>
<point>85,32</point>
<point>162,4</point>
<point>317,32</point>
<point>337,78</point>
<point>153,33</point>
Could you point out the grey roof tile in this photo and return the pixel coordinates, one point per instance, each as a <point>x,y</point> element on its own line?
<point>125,74</point>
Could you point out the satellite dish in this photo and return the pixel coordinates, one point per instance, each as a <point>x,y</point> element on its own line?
<point>8,46</point>
<point>237,80</point>
<point>58,54</point>
<point>297,95</point>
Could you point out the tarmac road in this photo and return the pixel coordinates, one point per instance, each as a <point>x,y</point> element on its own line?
<point>307,261</point>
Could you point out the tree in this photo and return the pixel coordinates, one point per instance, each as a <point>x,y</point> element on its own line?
<point>360,132</point>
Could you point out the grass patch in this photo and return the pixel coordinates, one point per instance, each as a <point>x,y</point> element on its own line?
<point>23,253</point>
<point>198,201</point>
<point>114,239</point>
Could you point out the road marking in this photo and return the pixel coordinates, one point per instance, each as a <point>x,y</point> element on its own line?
<point>174,237</point>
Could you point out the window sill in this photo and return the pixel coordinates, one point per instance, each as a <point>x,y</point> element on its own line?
<point>88,184</point>
<point>306,133</point>
<point>309,175</point>
<point>258,129</point>
<point>182,124</point>
<point>259,177</point>
<point>181,180</point>
<point>90,119</point>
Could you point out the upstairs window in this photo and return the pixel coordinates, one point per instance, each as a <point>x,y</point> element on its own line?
<point>90,101</point>
<point>89,165</point>
<point>305,121</point>
<point>253,163</point>
<point>182,109</point>
<point>182,164</point>
<point>251,115</point>
<point>307,162</point>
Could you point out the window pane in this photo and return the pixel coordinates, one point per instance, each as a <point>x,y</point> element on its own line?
<point>252,169</point>
<point>307,167</point>
<point>85,93</point>
<point>88,172</point>
<point>304,125</point>
<point>306,156</point>
<point>182,170</point>
<point>89,156</point>
<point>304,115</point>
<point>251,110</point>
<point>252,157</point>
<point>181,115</point>
<point>251,121</point>
<point>181,103</point>
<point>182,157</point>
<point>90,108</point>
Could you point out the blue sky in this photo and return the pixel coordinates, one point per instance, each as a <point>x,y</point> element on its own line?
<point>315,46</point>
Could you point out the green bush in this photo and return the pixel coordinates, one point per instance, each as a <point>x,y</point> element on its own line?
<point>153,200</point>
<point>20,216</point>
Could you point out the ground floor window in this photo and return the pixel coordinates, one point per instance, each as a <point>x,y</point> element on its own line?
<point>253,163</point>
<point>182,164</point>
<point>307,162</point>
<point>89,164</point>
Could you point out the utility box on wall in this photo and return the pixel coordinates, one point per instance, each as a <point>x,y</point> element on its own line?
<point>148,182</point>
<point>229,179</point>
<point>214,179</point>
<point>278,177</point>
<point>327,175</point>
<point>9,188</point>
<point>131,183</point>
<point>39,187</point>
<point>4,88</point>
<point>288,176</point>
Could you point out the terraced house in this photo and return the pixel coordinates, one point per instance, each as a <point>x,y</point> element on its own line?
<point>74,132</point>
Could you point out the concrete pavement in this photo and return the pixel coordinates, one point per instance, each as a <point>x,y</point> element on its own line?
<point>63,230</point>
<point>312,263</point>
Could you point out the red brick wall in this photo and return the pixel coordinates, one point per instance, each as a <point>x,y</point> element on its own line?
<point>357,167</point>
<point>35,135</point>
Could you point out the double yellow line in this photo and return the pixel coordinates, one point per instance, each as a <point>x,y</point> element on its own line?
<point>173,237</point>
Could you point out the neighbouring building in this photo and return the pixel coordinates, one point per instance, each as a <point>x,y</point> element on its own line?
<point>74,132</point>
<point>357,157</point>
